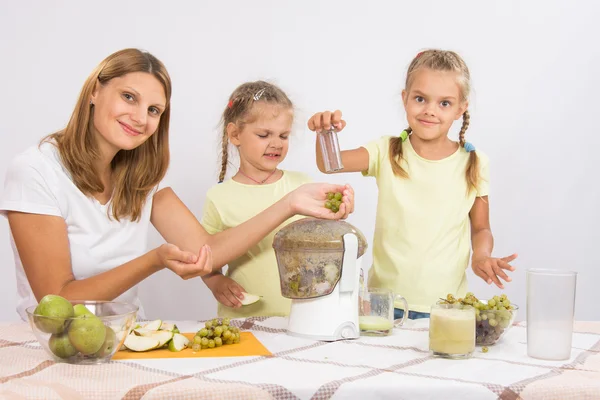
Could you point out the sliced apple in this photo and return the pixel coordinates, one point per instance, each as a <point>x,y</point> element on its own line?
<point>249,299</point>
<point>162,336</point>
<point>179,342</point>
<point>167,326</point>
<point>153,325</point>
<point>143,332</point>
<point>141,343</point>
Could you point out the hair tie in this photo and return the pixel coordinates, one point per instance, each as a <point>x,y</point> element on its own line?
<point>404,136</point>
<point>468,147</point>
<point>230,104</point>
<point>419,54</point>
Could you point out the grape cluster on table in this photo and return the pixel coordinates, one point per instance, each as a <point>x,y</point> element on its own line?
<point>216,333</point>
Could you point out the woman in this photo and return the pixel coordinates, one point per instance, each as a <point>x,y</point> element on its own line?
<point>80,204</point>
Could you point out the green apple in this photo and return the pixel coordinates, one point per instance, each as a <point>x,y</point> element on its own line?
<point>109,343</point>
<point>178,343</point>
<point>53,311</point>
<point>80,309</point>
<point>87,334</point>
<point>61,346</point>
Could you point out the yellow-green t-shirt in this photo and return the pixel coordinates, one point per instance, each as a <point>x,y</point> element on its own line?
<point>230,204</point>
<point>422,240</point>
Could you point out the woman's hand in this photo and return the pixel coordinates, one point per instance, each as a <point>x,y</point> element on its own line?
<point>185,264</point>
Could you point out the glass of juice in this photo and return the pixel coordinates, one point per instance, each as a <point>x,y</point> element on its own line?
<point>376,311</point>
<point>452,331</point>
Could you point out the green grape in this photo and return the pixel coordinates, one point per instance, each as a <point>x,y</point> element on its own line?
<point>229,341</point>
<point>478,318</point>
<point>208,324</point>
<point>204,346</point>
<point>484,349</point>
<point>491,302</point>
<point>337,196</point>
<point>203,332</point>
<point>330,196</point>
<point>484,317</point>
<point>196,347</point>
<point>227,334</point>
<point>211,333</point>
<point>211,344</point>
<point>197,340</point>
<point>505,323</point>
<point>237,338</point>
<point>334,209</point>
<point>218,331</point>
<point>218,342</point>
<point>328,204</point>
<point>492,322</point>
<point>215,321</point>
<point>226,321</point>
<point>506,303</point>
<point>204,341</point>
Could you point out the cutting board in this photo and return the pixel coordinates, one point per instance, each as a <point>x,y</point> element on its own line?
<point>248,346</point>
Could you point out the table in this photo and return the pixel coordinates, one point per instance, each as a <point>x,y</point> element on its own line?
<point>394,367</point>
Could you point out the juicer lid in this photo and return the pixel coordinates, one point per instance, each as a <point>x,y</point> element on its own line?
<point>314,234</point>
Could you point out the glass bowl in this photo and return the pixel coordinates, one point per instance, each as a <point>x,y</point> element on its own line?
<point>491,325</point>
<point>92,337</point>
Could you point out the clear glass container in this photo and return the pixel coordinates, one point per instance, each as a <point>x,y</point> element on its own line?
<point>452,331</point>
<point>550,313</point>
<point>330,150</point>
<point>310,255</point>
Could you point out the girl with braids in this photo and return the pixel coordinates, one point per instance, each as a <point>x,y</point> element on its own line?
<point>258,122</point>
<point>433,191</point>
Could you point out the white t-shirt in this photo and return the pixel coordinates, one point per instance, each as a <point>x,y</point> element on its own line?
<point>37,182</point>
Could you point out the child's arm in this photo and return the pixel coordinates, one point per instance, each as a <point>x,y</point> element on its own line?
<point>484,265</point>
<point>356,160</point>
<point>227,291</point>
<point>177,225</point>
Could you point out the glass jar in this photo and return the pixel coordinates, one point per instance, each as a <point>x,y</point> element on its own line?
<point>452,331</point>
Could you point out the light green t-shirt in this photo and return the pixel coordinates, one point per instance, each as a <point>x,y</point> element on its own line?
<point>422,240</point>
<point>230,204</point>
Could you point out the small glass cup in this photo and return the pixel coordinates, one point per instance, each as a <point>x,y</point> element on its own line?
<point>376,312</point>
<point>330,150</point>
<point>452,331</point>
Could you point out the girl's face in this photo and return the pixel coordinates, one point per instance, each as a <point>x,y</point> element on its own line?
<point>127,111</point>
<point>433,103</point>
<point>263,143</point>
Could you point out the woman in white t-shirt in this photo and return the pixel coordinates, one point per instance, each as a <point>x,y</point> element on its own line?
<point>80,204</point>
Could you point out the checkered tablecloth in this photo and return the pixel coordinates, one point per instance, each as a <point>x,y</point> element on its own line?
<point>394,367</point>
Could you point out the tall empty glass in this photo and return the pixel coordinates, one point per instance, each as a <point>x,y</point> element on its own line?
<point>330,150</point>
<point>550,313</point>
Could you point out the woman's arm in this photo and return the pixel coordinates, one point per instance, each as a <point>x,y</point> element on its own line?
<point>176,223</point>
<point>482,241</point>
<point>43,247</point>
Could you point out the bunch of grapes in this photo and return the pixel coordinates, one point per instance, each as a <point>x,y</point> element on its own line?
<point>215,333</point>
<point>492,317</point>
<point>333,202</point>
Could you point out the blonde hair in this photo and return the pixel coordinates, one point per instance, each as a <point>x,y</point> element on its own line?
<point>136,172</point>
<point>239,110</point>
<point>440,60</point>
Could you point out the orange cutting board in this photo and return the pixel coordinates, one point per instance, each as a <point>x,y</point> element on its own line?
<point>248,346</point>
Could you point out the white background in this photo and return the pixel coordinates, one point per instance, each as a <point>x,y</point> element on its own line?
<point>534,67</point>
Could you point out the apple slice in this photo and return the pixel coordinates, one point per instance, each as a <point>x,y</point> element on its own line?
<point>167,326</point>
<point>249,299</point>
<point>120,335</point>
<point>141,343</point>
<point>162,336</point>
<point>153,325</point>
<point>179,342</point>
